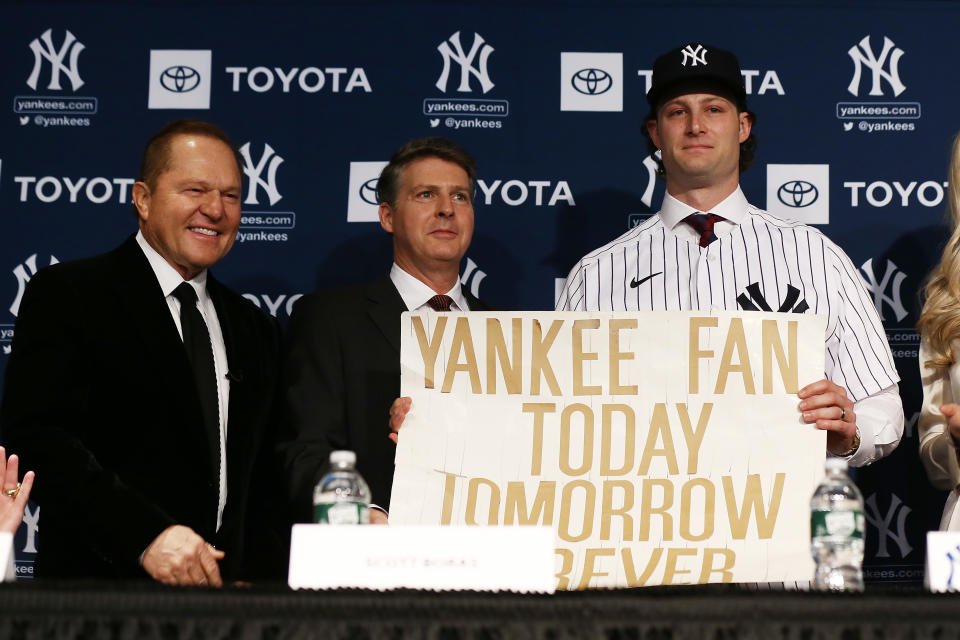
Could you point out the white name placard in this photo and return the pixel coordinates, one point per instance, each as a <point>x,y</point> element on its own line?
<point>422,557</point>
<point>943,561</point>
<point>7,570</point>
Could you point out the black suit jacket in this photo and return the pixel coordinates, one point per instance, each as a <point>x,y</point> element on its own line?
<point>342,373</point>
<point>99,400</point>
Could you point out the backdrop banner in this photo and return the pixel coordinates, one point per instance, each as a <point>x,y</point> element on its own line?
<point>855,116</point>
<point>653,443</point>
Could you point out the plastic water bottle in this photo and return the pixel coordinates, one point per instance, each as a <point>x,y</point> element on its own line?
<point>836,531</point>
<point>342,496</point>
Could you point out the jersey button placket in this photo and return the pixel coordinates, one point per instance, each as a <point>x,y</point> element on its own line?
<point>702,300</point>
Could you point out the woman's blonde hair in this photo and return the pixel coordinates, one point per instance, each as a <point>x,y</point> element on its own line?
<point>939,321</point>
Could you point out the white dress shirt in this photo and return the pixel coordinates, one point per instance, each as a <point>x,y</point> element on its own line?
<point>170,279</point>
<point>415,293</point>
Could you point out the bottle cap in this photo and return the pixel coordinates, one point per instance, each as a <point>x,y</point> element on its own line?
<point>834,464</point>
<point>343,457</point>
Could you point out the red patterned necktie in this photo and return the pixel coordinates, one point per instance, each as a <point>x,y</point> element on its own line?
<point>440,302</point>
<point>703,223</point>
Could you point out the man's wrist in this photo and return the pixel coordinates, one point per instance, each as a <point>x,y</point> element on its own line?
<point>853,445</point>
<point>953,440</point>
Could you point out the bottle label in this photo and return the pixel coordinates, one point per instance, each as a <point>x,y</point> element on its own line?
<point>848,524</point>
<point>341,513</point>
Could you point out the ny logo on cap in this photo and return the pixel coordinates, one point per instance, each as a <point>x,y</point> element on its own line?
<point>695,56</point>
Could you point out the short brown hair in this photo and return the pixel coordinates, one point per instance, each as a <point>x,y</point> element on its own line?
<point>415,150</point>
<point>156,155</point>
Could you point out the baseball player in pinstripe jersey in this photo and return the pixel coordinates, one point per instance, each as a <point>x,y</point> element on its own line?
<point>708,248</point>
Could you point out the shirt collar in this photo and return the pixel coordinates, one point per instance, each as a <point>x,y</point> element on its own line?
<point>415,293</point>
<point>732,208</point>
<point>167,276</point>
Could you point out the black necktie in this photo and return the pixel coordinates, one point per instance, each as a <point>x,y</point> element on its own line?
<point>440,302</point>
<point>196,340</point>
<point>703,224</point>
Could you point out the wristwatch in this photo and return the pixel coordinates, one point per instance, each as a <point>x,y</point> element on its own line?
<point>853,446</point>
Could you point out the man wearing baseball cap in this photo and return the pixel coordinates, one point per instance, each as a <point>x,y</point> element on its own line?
<point>709,249</point>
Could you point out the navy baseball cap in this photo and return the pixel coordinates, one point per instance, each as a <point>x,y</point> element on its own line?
<point>694,68</point>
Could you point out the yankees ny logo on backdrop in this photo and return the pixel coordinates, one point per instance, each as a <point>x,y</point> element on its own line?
<point>474,273</point>
<point>23,272</point>
<point>885,526</point>
<point>254,171</point>
<point>862,55</point>
<point>465,60</point>
<point>46,51</point>
<point>878,288</point>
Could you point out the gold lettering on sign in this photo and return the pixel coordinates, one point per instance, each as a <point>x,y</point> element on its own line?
<point>462,344</point>
<point>497,354</point>
<point>429,350</point>
<point>696,353</point>
<point>539,362</point>
<point>789,365</point>
<point>616,356</point>
<point>580,356</point>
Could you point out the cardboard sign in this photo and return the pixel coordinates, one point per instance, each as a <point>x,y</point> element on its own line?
<point>429,557</point>
<point>661,447</point>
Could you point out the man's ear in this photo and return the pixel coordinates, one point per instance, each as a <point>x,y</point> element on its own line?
<point>652,132</point>
<point>386,217</point>
<point>141,199</point>
<point>746,125</point>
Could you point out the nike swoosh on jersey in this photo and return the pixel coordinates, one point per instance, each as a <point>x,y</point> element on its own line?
<point>634,283</point>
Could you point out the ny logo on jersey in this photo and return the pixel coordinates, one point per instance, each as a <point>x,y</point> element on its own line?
<point>254,172</point>
<point>46,51</point>
<point>694,56</point>
<point>863,56</point>
<point>753,300</point>
<point>897,510</point>
<point>23,272</point>
<point>878,289</point>
<point>465,60</point>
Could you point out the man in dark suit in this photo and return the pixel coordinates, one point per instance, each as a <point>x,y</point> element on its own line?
<point>140,389</point>
<point>342,368</point>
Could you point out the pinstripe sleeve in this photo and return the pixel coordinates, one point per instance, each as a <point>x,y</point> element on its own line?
<point>573,296</point>
<point>864,362</point>
<point>861,360</point>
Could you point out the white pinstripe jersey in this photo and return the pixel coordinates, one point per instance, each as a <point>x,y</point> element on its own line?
<point>758,261</point>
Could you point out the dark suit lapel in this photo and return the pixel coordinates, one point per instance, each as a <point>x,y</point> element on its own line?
<point>240,346</point>
<point>234,342</point>
<point>141,299</point>
<point>475,303</point>
<point>385,307</point>
<point>146,310</point>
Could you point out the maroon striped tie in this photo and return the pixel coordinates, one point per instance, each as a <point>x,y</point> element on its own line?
<point>703,223</point>
<point>440,302</point>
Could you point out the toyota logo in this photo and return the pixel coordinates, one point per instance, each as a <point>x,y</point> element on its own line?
<point>591,82</point>
<point>368,191</point>
<point>797,193</point>
<point>180,79</point>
